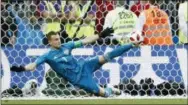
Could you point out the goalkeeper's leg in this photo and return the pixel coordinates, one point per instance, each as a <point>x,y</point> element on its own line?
<point>96,62</point>
<point>90,66</point>
<point>136,39</point>
<point>106,92</point>
<point>115,53</point>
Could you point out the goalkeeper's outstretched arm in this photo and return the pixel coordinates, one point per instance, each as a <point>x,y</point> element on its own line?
<point>30,66</point>
<point>90,39</point>
<point>106,32</point>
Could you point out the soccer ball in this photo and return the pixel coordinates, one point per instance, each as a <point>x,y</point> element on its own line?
<point>136,37</point>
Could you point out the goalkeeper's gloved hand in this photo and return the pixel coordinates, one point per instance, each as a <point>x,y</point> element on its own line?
<point>106,32</point>
<point>18,68</point>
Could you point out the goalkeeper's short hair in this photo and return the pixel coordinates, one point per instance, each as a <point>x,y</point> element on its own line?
<point>50,34</point>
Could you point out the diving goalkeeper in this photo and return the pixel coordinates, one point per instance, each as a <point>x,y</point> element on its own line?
<point>78,73</point>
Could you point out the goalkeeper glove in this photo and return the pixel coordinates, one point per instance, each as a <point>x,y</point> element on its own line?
<point>106,32</point>
<point>17,68</point>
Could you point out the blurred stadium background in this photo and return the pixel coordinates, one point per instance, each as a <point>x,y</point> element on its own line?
<point>141,78</point>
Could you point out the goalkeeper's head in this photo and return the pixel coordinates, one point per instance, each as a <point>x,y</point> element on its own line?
<point>54,39</point>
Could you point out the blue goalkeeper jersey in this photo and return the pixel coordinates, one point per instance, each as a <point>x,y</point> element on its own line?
<point>62,62</point>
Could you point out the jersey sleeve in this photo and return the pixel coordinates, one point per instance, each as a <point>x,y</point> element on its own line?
<point>41,59</point>
<point>73,44</point>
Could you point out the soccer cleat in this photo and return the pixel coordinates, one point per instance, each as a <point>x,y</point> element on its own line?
<point>136,38</point>
<point>116,91</point>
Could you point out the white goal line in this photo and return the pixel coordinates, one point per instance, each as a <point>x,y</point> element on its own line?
<point>97,98</point>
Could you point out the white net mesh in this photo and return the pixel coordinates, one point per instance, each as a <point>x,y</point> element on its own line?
<point>154,70</point>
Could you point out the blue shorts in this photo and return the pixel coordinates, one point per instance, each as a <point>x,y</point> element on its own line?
<point>86,80</point>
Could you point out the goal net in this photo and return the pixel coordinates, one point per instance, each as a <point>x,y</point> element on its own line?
<point>150,70</point>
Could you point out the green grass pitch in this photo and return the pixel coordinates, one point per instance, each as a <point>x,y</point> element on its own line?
<point>97,101</point>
